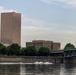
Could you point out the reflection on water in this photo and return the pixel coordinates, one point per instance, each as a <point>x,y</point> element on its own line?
<point>68,69</point>
<point>34,69</point>
<point>9,70</point>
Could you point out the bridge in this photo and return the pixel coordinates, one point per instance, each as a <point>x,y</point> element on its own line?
<point>63,53</point>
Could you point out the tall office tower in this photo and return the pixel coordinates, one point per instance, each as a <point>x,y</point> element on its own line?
<point>10,28</point>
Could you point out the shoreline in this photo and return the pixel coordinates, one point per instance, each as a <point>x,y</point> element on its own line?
<point>29,59</point>
<point>32,59</point>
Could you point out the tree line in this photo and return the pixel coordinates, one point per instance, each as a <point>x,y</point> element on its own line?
<point>16,50</point>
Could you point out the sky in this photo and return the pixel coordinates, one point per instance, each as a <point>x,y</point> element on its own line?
<point>53,20</point>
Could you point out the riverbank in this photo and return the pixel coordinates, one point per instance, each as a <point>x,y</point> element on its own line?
<point>30,59</point>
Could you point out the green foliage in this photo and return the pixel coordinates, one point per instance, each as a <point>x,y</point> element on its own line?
<point>2,49</point>
<point>69,46</point>
<point>22,51</point>
<point>16,50</point>
<point>43,51</point>
<point>13,49</point>
<point>30,51</point>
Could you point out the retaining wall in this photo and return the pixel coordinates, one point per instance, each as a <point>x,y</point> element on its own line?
<point>30,59</point>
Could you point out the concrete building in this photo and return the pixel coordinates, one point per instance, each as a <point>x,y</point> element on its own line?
<point>56,46</point>
<point>43,43</point>
<point>10,28</point>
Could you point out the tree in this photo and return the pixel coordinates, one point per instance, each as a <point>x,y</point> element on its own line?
<point>13,49</point>
<point>69,46</point>
<point>43,51</point>
<point>2,49</point>
<point>22,51</point>
<point>30,51</point>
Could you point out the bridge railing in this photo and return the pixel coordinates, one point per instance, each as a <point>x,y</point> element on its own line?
<point>64,53</point>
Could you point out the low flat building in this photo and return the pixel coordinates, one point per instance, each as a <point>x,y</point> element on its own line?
<point>43,43</point>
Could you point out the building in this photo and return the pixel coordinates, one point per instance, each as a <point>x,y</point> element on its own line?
<point>56,46</point>
<point>10,28</point>
<point>43,43</point>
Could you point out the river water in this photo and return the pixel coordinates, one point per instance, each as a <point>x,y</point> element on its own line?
<point>37,69</point>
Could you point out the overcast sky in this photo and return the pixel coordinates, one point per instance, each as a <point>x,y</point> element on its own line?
<point>53,20</point>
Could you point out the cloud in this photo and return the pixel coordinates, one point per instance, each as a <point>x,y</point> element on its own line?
<point>33,22</point>
<point>71,3</point>
<point>2,9</point>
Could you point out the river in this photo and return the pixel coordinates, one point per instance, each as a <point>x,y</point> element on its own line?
<point>37,69</point>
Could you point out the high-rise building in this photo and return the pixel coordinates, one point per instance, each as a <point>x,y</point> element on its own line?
<point>43,43</point>
<point>10,28</point>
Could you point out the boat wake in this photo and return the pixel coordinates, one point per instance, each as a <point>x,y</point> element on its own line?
<point>43,63</point>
